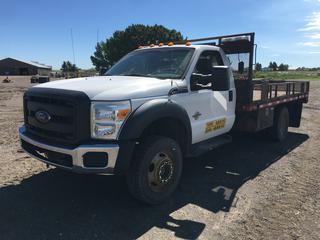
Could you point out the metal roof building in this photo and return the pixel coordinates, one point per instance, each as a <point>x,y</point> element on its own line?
<point>13,66</point>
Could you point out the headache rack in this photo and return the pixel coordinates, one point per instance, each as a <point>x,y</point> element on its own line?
<point>253,94</point>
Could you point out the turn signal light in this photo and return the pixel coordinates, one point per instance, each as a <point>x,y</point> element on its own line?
<point>122,114</point>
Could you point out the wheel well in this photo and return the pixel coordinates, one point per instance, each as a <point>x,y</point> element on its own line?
<point>171,128</point>
<point>295,110</point>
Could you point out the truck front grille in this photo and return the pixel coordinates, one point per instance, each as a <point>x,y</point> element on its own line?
<point>69,115</point>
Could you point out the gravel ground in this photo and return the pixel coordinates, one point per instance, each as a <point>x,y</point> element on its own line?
<point>250,189</point>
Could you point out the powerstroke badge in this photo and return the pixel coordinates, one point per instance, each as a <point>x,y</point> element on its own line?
<point>215,125</point>
<point>196,115</point>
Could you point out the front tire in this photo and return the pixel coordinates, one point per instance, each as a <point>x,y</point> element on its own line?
<point>155,171</point>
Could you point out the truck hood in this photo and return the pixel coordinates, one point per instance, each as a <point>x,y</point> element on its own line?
<point>115,87</point>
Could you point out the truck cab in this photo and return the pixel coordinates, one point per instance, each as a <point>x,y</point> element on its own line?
<point>156,106</point>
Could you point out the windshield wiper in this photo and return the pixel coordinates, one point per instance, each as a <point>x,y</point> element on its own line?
<point>141,75</point>
<point>136,75</point>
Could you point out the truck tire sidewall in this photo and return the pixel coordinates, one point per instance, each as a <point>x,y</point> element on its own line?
<point>282,124</point>
<point>138,173</point>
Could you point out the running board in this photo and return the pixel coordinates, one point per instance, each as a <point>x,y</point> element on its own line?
<point>208,145</point>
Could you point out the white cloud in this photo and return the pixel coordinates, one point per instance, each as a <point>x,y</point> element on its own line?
<point>313,28</point>
<point>314,52</point>
<point>313,23</point>
<point>312,1</point>
<point>310,44</point>
<point>313,35</point>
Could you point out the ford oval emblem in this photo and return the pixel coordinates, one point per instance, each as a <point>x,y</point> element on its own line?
<point>42,116</point>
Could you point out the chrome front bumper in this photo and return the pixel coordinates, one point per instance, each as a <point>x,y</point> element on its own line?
<point>76,154</point>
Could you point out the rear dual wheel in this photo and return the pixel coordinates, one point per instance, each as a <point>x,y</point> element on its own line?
<point>156,169</point>
<point>279,131</point>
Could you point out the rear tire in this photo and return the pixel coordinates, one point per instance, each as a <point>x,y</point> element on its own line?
<point>155,171</point>
<point>279,131</point>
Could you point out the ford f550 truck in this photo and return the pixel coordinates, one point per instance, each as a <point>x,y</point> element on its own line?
<point>156,106</point>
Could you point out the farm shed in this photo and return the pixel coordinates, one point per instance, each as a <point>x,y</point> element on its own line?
<point>12,66</point>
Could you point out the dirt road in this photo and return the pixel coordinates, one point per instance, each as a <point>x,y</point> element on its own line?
<point>250,189</point>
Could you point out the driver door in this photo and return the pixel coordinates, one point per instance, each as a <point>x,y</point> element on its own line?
<point>209,109</point>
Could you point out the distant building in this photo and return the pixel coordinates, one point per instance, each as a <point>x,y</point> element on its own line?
<point>12,66</point>
<point>266,69</point>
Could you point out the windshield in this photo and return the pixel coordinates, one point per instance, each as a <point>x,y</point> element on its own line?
<point>158,63</point>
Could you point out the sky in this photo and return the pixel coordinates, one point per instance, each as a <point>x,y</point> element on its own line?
<point>287,31</point>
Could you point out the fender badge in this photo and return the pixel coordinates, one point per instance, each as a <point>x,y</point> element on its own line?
<point>196,115</point>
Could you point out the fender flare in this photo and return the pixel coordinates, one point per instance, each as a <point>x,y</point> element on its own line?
<point>151,111</point>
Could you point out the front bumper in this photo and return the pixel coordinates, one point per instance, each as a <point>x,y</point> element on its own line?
<point>70,158</point>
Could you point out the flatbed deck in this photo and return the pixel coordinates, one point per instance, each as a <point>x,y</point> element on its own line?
<point>269,93</point>
<point>259,100</point>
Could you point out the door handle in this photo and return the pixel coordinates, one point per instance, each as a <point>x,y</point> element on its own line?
<point>230,96</point>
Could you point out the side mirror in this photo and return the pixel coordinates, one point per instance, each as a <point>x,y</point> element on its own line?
<point>221,78</point>
<point>241,67</point>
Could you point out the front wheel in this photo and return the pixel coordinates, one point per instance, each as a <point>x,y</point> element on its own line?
<point>155,171</point>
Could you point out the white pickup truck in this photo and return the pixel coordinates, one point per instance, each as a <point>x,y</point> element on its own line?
<point>156,106</point>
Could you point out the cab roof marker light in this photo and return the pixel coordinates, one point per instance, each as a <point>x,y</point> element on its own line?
<point>170,44</point>
<point>188,43</point>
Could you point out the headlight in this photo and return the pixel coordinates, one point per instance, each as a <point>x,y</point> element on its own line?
<point>107,118</point>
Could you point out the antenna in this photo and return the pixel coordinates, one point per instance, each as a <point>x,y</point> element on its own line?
<point>74,59</point>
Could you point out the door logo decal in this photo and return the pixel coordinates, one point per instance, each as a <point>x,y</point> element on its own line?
<point>196,115</point>
<point>215,125</point>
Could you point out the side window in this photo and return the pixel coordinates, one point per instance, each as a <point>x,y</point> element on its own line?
<point>206,61</point>
<point>202,73</point>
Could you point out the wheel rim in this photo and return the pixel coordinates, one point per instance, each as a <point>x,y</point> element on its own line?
<point>160,172</point>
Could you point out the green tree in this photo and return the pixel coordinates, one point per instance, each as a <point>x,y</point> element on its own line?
<point>258,67</point>
<point>67,66</point>
<point>273,66</point>
<point>122,42</point>
<point>64,66</point>
<point>283,67</point>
